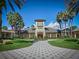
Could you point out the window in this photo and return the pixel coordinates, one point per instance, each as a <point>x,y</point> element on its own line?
<point>40,28</point>
<point>39,23</point>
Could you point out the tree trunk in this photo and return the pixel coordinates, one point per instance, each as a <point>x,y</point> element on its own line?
<point>19,33</point>
<point>0,26</point>
<point>65,29</point>
<point>12,27</point>
<point>60,30</point>
<point>71,27</point>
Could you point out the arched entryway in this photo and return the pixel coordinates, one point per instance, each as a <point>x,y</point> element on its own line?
<point>40,36</point>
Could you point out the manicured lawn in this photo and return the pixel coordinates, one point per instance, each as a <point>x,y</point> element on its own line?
<point>15,44</point>
<point>64,44</point>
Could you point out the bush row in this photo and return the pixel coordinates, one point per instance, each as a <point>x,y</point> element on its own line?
<point>72,40</point>
<point>16,41</point>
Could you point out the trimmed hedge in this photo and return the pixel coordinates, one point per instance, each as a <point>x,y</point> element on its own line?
<point>71,39</point>
<point>78,42</point>
<point>8,42</point>
<point>65,44</point>
<point>15,44</point>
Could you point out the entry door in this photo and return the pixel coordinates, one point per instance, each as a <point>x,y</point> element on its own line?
<point>40,36</point>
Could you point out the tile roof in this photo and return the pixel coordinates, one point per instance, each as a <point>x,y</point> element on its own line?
<point>76,29</point>
<point>31,30</point>
<point>11,31</point>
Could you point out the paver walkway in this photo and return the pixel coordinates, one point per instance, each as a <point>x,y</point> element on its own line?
<point>40,50</point>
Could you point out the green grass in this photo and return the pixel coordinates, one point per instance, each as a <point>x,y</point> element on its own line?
<point>65,44</point>
<point>16,44</point>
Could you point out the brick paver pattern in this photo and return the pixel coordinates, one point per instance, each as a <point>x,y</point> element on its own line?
<point>40,50</point>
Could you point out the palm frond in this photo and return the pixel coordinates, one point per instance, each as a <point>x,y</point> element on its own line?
<point>12,7</point>
<point>19,3</point>
<point>0,20</point>
<point>0,11</point>
<point>5,6</point>
<point>2,3</point>
<point>77,11</point>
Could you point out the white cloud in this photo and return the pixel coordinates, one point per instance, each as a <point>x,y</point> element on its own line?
<point>24,28</point>
<point>53,25</point>
<point>9,28</point>
<point>34,24</point>
<point>57,26</point>
<point>63,26</point>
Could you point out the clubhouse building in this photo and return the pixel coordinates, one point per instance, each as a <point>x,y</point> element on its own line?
<point>39,31</point>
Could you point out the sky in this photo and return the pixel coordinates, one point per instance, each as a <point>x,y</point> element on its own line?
<point>39,9</point>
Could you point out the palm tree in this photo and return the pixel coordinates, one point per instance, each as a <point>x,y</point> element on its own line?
<point>20,25</point>
<point>13,18</point>
<point>59,20</point>
<point>10,19</point>
<point>73,9</point>
<point>71,16</point>
<point>16,21</point>
<point>3,4</point>
<point>65,19</point>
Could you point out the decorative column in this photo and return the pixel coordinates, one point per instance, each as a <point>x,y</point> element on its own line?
<point>36,30</point>
<point>75,35</point>
<point>29,35</point>
<point>4,35</point>
<point>11,35</point>
<point>44,34</point>
<point>50,35</point>
<point>56,35</point>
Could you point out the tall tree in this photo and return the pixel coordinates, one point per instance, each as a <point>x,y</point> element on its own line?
<point>16,21</point>
<point>71,16</point>
<point>65,19</point>
<point>3,4</point>
<point>19,21</point>
<point>59,20</point>
<point>20,25</point>
<point>73,9</point>
<point>10,18</point>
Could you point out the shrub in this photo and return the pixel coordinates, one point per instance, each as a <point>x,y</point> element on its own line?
<point>45,37</point>
<point>1,41</point>
<point>8,42</point>
<point>66,36</point>
<point>71,39</point>
<point>22,41</point>
<point>78,42</point>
